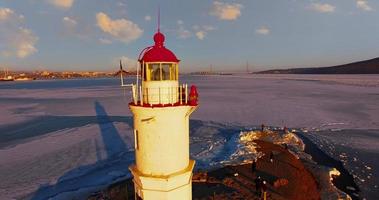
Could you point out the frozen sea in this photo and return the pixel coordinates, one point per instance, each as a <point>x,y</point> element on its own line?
<point>64,139</point>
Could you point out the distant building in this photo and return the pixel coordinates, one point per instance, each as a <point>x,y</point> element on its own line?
<point>45,73</point>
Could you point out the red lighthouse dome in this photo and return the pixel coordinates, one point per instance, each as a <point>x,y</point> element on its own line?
<point>158,52</point>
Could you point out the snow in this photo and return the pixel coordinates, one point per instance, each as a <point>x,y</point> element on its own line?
<point>56,136</point>
<point>74,162</point>
<point>13,113</point>
<point>60,156</point>
<point>313,101</point>
<point>310,103</point>
<point>358,150</point>
<point>334,172</point>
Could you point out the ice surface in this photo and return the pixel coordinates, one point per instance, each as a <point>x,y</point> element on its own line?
<point>294,101</point>
<point>56,136</point>
<point>359,152</point>
<point>65,155</point>
<point>319,102</point>
<point>73,162</point>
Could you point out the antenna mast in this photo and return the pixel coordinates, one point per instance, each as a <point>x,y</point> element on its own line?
<point>159,18</point>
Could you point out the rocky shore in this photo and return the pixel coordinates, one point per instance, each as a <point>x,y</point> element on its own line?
<point>290,175</point>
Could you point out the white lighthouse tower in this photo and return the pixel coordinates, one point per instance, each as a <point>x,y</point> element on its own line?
<point>161,109</point>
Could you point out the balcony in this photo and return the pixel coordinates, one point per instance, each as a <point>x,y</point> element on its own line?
<point>160,96</point>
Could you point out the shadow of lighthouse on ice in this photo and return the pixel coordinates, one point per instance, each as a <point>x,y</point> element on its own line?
<point>113,143</point>
<point>80,181</point>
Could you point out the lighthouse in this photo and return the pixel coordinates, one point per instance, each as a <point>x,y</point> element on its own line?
<point>161,108</point>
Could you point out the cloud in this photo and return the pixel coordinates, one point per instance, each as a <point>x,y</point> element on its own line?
<point>121,29</point>
<point>5,13</point>
<point>147,18</point>
<point>200,35</point>
<point>24,45</point>
<point>226,11</point>
<point>208,28</point>
<point>69,21</point>
<point>121,4</point>
<point>199,31</point>
<point>105,41</point>
<point>15,39</point>
<point>183,33</point>
<point>323,8</point>
<point>202,31</point>
<point>263,31</point>
<point>73,27</point>
<point>61,3</point>
<point>363,4</point>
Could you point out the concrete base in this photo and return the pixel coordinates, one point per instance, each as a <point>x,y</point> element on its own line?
<point>172,187</point>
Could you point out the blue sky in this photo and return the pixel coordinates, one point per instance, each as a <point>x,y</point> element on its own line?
<point>92,35</point>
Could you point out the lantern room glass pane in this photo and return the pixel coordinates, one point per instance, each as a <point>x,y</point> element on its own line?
<point>154,71</point>
<point>143,72</point>
<point>166,71</point>
<point>169,71</point>
<point>160,71</point>
<point>173,72</point>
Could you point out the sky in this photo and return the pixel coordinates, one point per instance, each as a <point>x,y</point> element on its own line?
<point>92,35</point>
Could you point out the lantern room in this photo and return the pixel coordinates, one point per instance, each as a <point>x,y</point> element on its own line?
<point>159,74</point>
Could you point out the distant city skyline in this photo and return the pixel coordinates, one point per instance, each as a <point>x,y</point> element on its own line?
<point>92,35</point>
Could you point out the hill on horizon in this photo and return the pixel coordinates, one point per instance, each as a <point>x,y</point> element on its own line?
<point>362,67</point>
